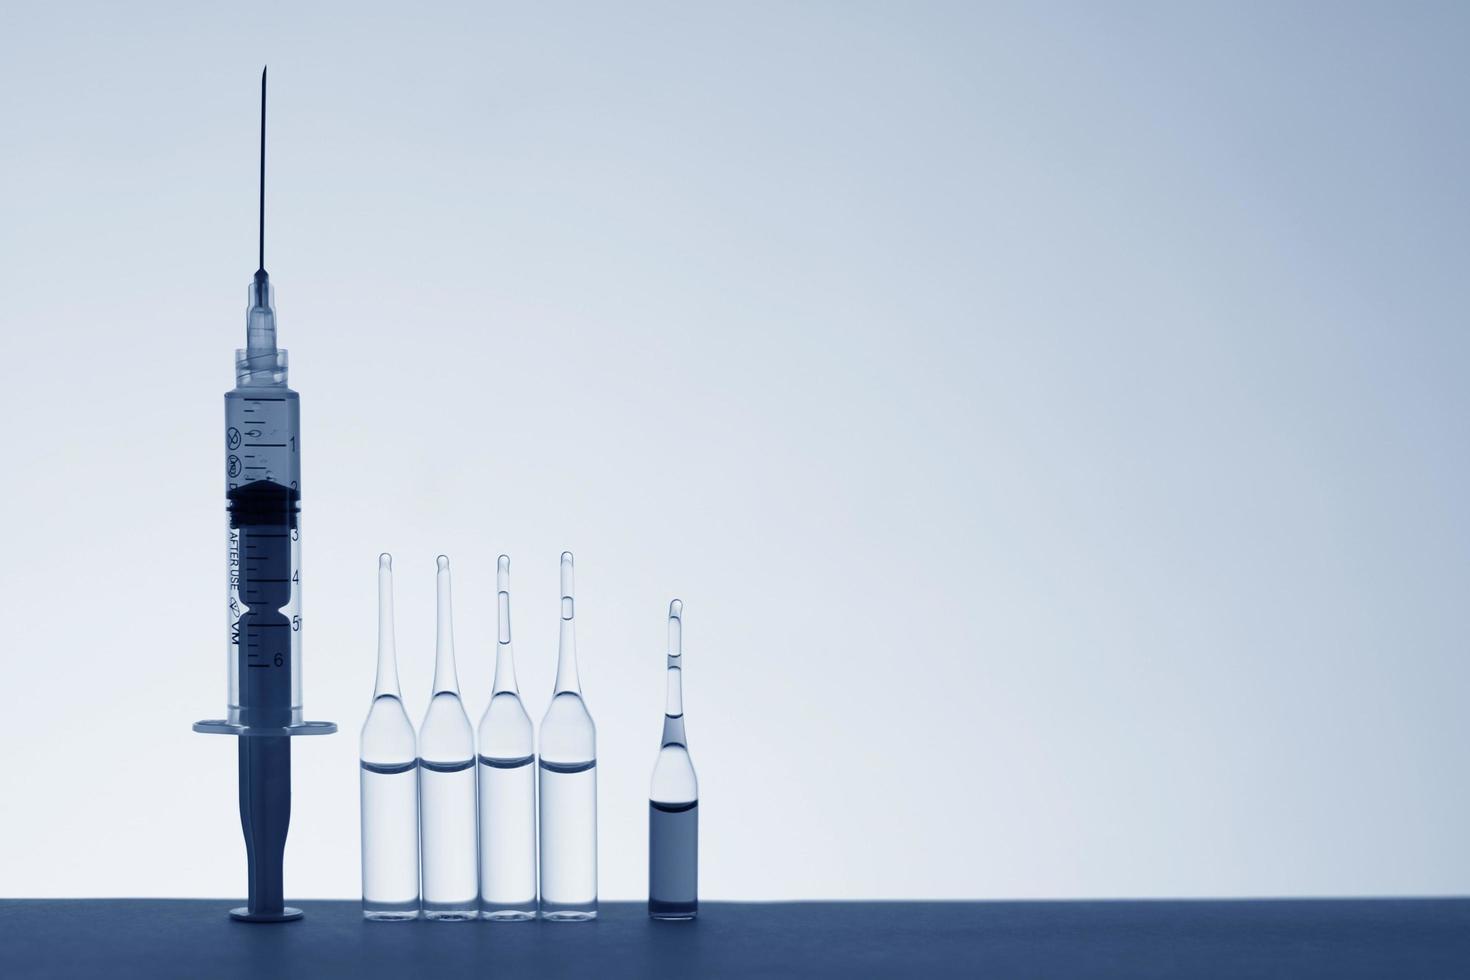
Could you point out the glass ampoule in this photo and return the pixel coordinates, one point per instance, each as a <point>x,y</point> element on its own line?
<point>568,783</point>
<point>673,799</point>
<point>447,782</point>
<point>389,782</point>
<point>507,776</point>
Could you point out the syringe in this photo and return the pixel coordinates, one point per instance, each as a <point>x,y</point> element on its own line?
<point>263,489</point>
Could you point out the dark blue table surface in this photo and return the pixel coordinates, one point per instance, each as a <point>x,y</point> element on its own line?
<point>995,940</point>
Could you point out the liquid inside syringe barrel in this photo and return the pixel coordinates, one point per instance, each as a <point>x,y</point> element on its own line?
<point>264,500</point>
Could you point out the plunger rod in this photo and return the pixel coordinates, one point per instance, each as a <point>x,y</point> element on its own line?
<point>265,816</point>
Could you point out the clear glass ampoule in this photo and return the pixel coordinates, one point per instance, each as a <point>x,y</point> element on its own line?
<point>507,774</point>
<point>673,800</point>
<point>389,782</point>
<point>568,782</point>
<point>447,783</point>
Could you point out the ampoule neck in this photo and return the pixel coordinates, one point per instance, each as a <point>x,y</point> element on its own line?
<point>505,670</point>
<point>566,660</point>
<point>674,678</point>
<point>505,657</point>
<point>674,705</point>
<point>446,677</point>
<point>387,683</point>
<point>387,679</point>
<point>674,731</point>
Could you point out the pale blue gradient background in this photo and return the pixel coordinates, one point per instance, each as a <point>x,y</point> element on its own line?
<point>1054,417</point>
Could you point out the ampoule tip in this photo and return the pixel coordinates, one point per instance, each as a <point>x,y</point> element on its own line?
<point>443,562</point>
<point>385,561</point>
<point>676,629</point>
<point>567,590</point>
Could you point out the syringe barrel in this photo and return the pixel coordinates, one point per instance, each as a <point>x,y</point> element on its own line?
<point>263,494</point>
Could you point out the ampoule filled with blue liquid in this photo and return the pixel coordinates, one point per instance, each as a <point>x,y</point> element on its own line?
<point>568,783</point>
<point>673,800</point>
<point>447,783</point>
<point>389,782</point>
<point>507,776</point>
